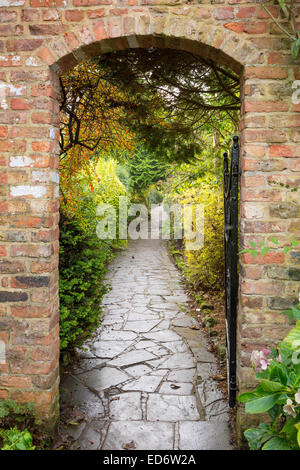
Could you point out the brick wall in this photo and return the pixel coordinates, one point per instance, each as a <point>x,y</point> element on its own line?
<point>39,39</point>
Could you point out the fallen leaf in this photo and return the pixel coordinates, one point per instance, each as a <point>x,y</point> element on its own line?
<point>129,445</point>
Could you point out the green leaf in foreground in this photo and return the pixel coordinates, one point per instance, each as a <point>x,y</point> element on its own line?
<point>276,443</point>
<point>262,404</point>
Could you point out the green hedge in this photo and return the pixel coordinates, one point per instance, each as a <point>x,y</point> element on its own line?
<point>83,258</point>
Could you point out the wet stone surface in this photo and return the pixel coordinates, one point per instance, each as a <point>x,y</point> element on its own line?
<point>144,380</point>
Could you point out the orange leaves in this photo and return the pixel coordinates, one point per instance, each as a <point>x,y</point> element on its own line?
<point>91,127</point>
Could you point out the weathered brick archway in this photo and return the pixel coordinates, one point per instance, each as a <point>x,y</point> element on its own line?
<point>39,41</point>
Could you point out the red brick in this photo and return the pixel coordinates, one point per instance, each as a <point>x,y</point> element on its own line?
<point>96,13</point>
<point>284,151</point>
<point>30,15</point>
<point>10,61</point>
<point>203,12</point>
<point>295,165</point>
<point>3,251</point>
<point>253,181</point>
<point>246,12</point>
<point>19,104</point>
<point>30,311</point>
<point>262,195</point>
<point>74,15</point>
<point>261,287</point>
<point>23,45</point>
<point>237,27</point>
<point>15,146</point>
<point>7,16</point>
<point>255,150</point>
<point>87,3</point>
<point>41,118</point>
<point>42,146</point>
<point>14,381</point>
<point>46,3</point>
<point>46,55</point>
<point>40,397</point>
<point>259,27</point>
<point>99,30</point>
<point>260,106</point>
<point>261,12</point>
<point>41,89</point>
<point>224,13</point>
<point>114,28</point>
<point>265,72</point>
<point>51,14</point>
<point>3,131</point>
<point>270,258</point>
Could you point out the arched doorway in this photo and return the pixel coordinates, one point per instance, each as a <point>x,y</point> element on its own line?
<point>29,299</point>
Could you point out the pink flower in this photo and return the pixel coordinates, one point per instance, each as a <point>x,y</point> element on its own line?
<point>259,360</point>
<point>266,352</point>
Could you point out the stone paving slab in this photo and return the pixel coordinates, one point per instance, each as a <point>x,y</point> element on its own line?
<point>147,383</point>
<point>100,379</point>
<point>126,406</point>
<point>204,435</point>
<point>141,435</point>
<point>132,357</point>
<point>172,408</point>
<point>176,388</point>
<point>144,381</point>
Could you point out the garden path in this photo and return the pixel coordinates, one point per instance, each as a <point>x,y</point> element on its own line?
<point>145,379</point>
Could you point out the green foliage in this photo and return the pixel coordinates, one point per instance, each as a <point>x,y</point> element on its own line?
<point>204,268</point>
<point>13,412</point>
<point>290,26</point>
<point>263,249</point>
<point>15,420</point>
<point>14,439</point>
<point>82,265</point>
<point>124,176</point>
<point>83,257</point>
<point>153,196</point>
<point>145,169</point>
<point>278,392</point>
<point>175,96</point>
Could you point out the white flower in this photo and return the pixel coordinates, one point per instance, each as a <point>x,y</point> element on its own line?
<point>289,408</point>
<point>297,396</point>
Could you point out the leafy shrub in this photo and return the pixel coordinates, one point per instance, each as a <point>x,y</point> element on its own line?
<point>124,176</point>
<point>83,257</point>
<point>145,170</point>
<point>82,266</point>
<point>107,183</point>
<point>14,439</point>
<point>154,197</point>
<point>278,393</point>
<point>15,419</point>
<point>204,268</point>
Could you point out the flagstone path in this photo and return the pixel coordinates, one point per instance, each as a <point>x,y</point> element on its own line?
<point>144,381</point>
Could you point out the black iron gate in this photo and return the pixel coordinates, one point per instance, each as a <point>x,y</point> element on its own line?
<point>231,200</point>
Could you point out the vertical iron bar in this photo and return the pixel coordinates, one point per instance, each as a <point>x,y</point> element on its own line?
<point>234,195</point>
<point>231,193</point>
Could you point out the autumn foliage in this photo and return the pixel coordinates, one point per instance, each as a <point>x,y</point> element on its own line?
<point>92,125</point>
